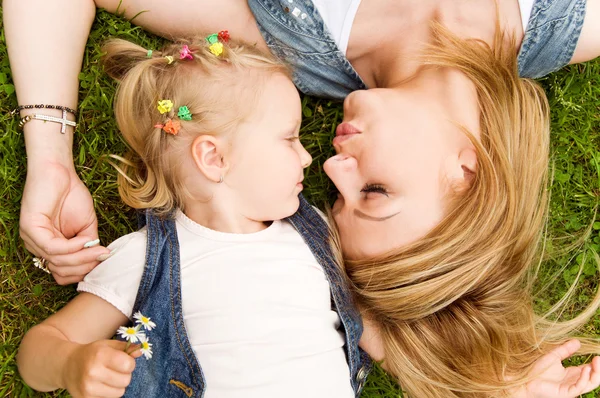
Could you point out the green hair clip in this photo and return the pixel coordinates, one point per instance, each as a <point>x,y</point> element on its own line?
<point>184,113</point>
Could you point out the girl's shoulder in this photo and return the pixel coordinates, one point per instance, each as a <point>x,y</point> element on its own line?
<point>117,278</point>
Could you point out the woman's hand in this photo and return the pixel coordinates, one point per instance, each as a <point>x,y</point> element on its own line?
<point>58,220</point>
<point>100,369</point>
<point>556,381</point>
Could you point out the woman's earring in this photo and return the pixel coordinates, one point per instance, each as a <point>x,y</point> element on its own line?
<point>221,179</point>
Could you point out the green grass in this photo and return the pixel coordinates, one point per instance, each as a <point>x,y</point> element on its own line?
<point>27,296</point>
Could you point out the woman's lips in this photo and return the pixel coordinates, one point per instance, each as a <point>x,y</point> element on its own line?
<point>343,132</point>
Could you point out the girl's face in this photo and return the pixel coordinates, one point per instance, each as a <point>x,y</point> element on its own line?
<point>396,155</point>
<point>267,158</point>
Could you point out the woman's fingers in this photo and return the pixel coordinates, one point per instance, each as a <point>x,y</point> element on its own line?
<point>560,353</point>
<point>52,245</point>
<point>584,377</point>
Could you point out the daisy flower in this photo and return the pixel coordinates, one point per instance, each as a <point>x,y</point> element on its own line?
<point>144,321</point>
<point>130,334</point>
<point>145,347</point>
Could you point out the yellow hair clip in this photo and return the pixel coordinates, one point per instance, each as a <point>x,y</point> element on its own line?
<point>164,106</point>
<point>169,59</point>
<point>216,48</point>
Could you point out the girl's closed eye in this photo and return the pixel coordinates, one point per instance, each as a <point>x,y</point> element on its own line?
<point>374,188</point>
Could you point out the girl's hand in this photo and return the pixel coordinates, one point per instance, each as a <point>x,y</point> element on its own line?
<point>100,369</point>
<point>58,219</point>
<point>556,381</point>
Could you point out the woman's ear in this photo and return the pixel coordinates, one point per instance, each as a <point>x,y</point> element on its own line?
<point>461,169</point>
<point>207,152</point>
<point>467,159</point>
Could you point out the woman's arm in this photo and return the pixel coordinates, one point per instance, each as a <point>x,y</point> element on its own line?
<point>46,41</point>
<point>588,46</point>
<point>69,350</point>
<point>183,18</point>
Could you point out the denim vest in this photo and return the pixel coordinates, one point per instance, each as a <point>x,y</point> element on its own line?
<point>174,370</point>
<point>296,33</point>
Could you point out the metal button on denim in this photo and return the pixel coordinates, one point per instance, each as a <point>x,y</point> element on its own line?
<point>361,375</point>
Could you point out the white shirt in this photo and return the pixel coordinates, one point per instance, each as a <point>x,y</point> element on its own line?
<point>256,308</point>
<point>339,15</point>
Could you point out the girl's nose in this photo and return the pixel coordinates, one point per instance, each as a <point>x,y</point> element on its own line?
<point>305,158</point>
<point>343,171</point>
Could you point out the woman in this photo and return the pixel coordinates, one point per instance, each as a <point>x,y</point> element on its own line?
<point>397,189</point>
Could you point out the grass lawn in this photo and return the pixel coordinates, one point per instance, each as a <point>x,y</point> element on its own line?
<point>27,295</point>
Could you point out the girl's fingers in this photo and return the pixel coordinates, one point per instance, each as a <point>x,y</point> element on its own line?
<point>101,390</point>
<point>118,380</point>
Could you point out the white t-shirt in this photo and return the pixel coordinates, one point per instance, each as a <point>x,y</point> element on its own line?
<point>256,308</point>
<point>339,15</point>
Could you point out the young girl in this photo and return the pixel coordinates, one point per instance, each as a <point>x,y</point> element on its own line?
<point>233,266</point>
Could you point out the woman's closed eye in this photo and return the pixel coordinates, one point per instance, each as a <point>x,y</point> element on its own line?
<point>374,188</point>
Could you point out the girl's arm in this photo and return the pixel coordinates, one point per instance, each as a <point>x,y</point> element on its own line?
<point>69,350</point>
<point>588,46</point>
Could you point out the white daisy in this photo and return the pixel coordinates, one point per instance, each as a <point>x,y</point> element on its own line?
<point>131,334</point>
<point>145,347</point>
<point>144,321</point>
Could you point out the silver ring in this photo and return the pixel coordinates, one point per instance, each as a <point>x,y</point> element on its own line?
<point>40,262</point>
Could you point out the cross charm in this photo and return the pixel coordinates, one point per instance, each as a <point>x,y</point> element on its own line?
<point>64,121</point>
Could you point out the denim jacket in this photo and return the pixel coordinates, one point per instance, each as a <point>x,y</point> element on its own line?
<point>302,40</point>
<point>174,370</point>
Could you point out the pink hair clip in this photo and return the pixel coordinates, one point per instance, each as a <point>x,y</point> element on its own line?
<point>185,52</point>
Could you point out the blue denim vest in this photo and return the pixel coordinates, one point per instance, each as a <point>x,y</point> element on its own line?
<point>551,36</point>
<point>302,40</point>
<point>174,370</point>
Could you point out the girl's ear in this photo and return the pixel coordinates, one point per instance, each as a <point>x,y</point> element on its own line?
<point>208,157</point>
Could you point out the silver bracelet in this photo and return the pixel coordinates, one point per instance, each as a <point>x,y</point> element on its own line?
<point>46,118</point>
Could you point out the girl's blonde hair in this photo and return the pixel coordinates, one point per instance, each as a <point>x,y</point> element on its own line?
<point>455,308</point>
<point>219,91</point>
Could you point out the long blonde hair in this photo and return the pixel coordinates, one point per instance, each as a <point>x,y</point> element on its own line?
<point>219,91</point>
<point>455,308</point>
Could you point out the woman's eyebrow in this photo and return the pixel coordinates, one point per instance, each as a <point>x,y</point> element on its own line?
<point>364,216</point>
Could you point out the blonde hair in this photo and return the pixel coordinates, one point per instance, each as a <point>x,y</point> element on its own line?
<point>455,308</point>
<point>219,92</point>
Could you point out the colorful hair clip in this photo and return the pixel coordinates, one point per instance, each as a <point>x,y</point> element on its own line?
<point>212,39</point>
<point>164,106</point>
<point>149,54</point>
<point>185,53</point>
<point>172,127</point>
<point>169,59</point>
<point>216,48</point>
<point>223,36</point>
<point>184,113</point>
